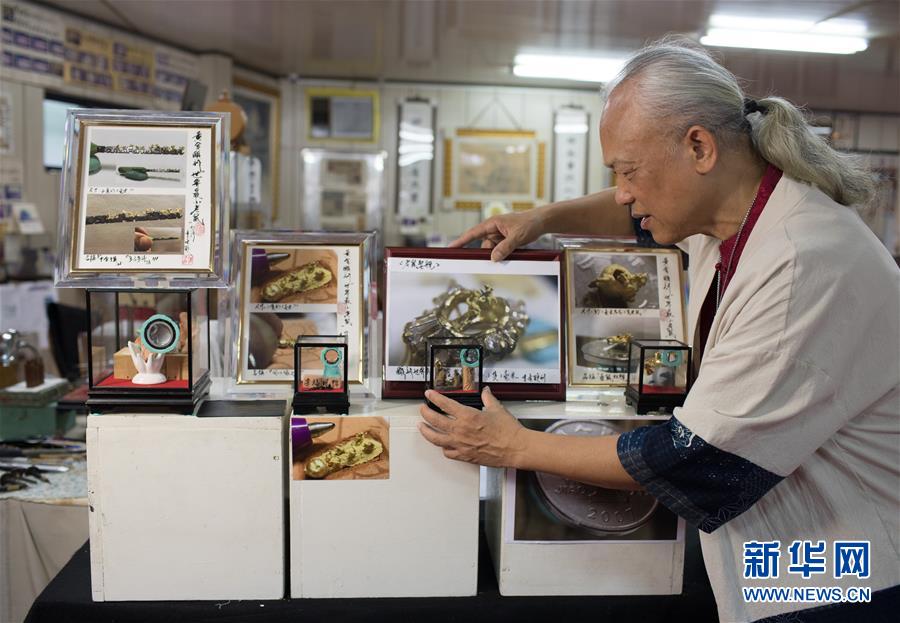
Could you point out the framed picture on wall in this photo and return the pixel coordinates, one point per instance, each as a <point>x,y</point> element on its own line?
<point>338,114</point>
<point>143,193</point>
<point>262,134</point>
<point>494,165</point>
<point>343,191</point>
<point>616,294</point>
<point>291,285</point>
<point>512,308</point>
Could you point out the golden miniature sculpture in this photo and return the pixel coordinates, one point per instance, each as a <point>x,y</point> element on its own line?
<point>493,321</point>
<point>615,286</point>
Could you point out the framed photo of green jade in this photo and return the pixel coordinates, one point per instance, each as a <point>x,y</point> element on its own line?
<point>143,193</point>
<point>615,295</point>
<point>511,309</point>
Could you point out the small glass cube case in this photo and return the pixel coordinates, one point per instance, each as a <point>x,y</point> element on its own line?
<point>320,374</point>
<point>148,350</point>
<point>455,368</point>
<point>659,375</point>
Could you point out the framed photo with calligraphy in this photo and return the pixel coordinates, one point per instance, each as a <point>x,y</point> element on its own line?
<point>513,309</point>
<point>143,198</point>
<point>291,285</point>
<point>615,294</point>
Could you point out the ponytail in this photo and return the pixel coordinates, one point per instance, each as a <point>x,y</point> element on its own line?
<point>782,136</point>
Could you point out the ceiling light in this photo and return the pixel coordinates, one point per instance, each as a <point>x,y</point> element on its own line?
<point>581,68</point>
<point>795,35</point>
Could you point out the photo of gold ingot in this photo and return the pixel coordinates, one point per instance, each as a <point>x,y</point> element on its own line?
<point>308,277</point>
<point>359,449</point>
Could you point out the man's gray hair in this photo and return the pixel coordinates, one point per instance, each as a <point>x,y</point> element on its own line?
<point>677,81</point>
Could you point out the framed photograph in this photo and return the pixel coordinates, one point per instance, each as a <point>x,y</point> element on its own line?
<point>262,134</point>
<point>143,195</point>
<point>339,114</point>
<point>615,294</point>
<point>291,285</point>
<point>340,448</point>
<point>550,508</point>
<point>343,191</point>
<point>501,165</point>
<point>512,308</point>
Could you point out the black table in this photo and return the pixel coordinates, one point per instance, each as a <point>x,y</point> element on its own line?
<point>68,599</point>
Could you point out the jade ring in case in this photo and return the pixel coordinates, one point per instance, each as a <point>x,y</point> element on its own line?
<point>160,334</point>
<point>331,368</point>
<point>492,321</point>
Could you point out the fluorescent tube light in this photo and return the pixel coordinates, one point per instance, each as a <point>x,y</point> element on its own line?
<point>581,68</point>
<point>794,35</point>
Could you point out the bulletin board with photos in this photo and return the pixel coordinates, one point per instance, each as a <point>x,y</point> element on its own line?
<point>290,285</point>
<point>615,294</point>
<point>143,195</point>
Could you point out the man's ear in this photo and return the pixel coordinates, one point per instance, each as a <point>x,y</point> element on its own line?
<point>702,148</point>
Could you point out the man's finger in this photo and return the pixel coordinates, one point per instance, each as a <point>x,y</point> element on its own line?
<point>437,421</point>
<point>503,248</point>
<point>489,399</point>
<point>452,453</point>
<point>487,243</point>
<point>438,439</point>
<point>473,233</point>
<point>447,405</point>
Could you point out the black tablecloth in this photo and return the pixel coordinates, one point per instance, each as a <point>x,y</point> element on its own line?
<point>68,599</point>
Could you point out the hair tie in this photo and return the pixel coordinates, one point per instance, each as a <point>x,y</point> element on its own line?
<point>752,106</point>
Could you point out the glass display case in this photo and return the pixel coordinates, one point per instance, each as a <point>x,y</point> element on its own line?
<point>320,374</point>
<point>659,375</point>
<point>455,369</point>
<point>148,350</point>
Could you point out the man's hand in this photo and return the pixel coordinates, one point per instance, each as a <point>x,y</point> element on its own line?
<point>505,233</point>
<point>491,437</point>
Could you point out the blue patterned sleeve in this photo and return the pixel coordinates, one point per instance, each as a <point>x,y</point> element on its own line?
<point>705,485</point>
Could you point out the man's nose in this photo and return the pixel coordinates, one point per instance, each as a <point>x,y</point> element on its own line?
<point>623,197</point>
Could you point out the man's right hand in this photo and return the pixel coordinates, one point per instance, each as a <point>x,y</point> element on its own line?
<point>504,233</point>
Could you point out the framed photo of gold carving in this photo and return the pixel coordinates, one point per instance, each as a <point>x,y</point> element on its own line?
<point>291,285</point>
<point>513,309</point>
<point>615,294</point>
<point>494,165</point>
<point>143,195</point>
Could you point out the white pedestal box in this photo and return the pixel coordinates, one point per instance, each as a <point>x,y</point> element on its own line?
<point>183,507</point>
<point>538,549</point>
<point>410,532</point>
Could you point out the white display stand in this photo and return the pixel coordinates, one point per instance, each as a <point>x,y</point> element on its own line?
<point>414,534</point>
<point>184,507</point>
<point>590,567</point>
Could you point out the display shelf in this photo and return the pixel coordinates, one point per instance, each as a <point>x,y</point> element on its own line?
<point>372,536</point>
<point>185,507</point>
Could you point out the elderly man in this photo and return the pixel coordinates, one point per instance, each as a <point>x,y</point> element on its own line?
<point>789,440</point>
